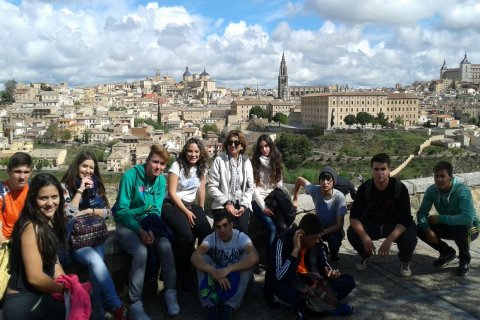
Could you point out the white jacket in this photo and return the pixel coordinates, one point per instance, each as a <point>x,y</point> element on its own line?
<point>218,182</point>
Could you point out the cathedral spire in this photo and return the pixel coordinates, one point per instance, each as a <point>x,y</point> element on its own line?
<point>283,91</point>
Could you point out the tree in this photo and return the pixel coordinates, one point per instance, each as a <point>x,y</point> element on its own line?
<point>280,118</point>
<point>364,118</point>
<point>381,119</point>
<point>350,120</point>
<point>210,127</point>
<point>8,94</point>
<point>259,112</point>
<point>399,121</point>
<point>294,149</point>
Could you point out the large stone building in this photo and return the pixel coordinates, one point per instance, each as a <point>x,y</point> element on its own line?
<point>466,73</point>
<point>283,92</point>
<point>320,109</point>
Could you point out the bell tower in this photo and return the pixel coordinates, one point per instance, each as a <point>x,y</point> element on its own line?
<point>283,92</point>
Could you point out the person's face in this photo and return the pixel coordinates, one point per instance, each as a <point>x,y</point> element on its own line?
<point>234,146</point>
<point>326,182</point>
<point>264,148</point>
<point>86,168</point>
<point>18,177</point>
<point>380,172</point>
<point>224,229</point>
<point>442,180</point>
<point>310,240</point>
<point>193,154</point>
<point>155,166</point>
<point>48,200</point>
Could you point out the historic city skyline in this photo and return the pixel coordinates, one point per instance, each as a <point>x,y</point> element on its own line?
<point>239,43</point>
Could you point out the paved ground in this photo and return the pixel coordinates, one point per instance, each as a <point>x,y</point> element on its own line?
<point>381,293</point>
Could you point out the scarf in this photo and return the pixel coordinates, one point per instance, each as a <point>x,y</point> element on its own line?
<point>265,162</point>
<point>90,197</point>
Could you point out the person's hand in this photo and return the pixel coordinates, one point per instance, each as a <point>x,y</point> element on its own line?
<point>433,219</point>
<point>2,237</point>
<point>191,218</point>
<point>295,201</point>
<point>239,212</point>
<point>224,284</point>
<point>231,209</point>
<point>147,237</point>
<point>431,236</point>
<point>332,273</point>
<point>86,183</point>
<point>221,273</point>
<point>368,245</point>
<point>268,212</point>
<point>384,249</point>
<point>297,238</point>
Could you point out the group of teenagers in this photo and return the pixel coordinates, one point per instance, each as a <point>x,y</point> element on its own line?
<point>162,223</point>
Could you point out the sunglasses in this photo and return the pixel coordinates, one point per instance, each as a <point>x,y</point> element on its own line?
<point>236,143</point>
<point>326,177</point>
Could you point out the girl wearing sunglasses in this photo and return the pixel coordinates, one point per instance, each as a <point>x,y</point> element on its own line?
<point>230,181</point>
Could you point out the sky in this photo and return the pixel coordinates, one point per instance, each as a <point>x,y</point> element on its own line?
<point>362,44</point>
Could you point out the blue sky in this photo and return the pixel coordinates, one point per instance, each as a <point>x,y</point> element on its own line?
<point>367,43</point>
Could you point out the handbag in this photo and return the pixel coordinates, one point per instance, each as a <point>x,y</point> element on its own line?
<point>317,293</point>
<point>88,230</point>
<point>4,262</point>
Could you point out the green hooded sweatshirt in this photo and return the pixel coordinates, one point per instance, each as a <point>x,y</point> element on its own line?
<point>138,197</point>
<point>454,208</point>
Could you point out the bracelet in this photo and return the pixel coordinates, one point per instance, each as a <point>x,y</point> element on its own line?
<point>79,191</point>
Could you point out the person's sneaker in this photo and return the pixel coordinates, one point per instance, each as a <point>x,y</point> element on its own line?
<point>444,259</point>
<point>405,270</point>
<point>212,312</point>
<point>362,263</point>
<point>226,313</point>
<point>463,268</point>
<point>136,312</point>
<point>342,310</point>
<point>119,313</point>
<point>173,309</point>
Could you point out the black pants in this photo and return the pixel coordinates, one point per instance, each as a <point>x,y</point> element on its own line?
<point>239,223</point>
<point>406,243</point>
<point>185,235</point>
<point>458,233</point>
<point>30,306</point>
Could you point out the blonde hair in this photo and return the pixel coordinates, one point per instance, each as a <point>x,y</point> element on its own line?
<point>160,151</point>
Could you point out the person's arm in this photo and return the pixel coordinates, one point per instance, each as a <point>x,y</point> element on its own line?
<point>336,227</point>
<point>246,199</point>
<point>425,207</point>
<point>299,182</point>
<point>368,244</point>
<point>33,264</point>
<point>2,237</point>
<point>465,210</point>
<point>124,214</point>
<point>172,193</point>
<point>198,261</point>
<point>286,260</point>
<point>201,192</point>
<point>214,180</point>
<point>250,260</point>
<point>58,270</point>
<point>384,249</point>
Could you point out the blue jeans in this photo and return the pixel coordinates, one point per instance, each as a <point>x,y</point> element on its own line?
<point>268,224</point>
<point>102,284</point>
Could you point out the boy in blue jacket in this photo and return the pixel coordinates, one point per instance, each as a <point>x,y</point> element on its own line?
<point>456,219</point>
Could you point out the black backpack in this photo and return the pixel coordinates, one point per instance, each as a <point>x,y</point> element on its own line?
<point>369,187</point>
<point>281,204</point>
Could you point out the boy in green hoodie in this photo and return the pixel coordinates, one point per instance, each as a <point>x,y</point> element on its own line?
<point>456,219</point>
<point>138,210</point>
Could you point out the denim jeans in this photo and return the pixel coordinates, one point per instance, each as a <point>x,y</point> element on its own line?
<point>133,245</point>
<point>102,284</point>
<point>236,300</point>
<point>268,224</point>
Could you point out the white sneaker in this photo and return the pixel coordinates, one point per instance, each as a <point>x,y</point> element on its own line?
<point>173,309</point>
<point>136,312</point>
<point>362,263</point>
<point>405,270</point>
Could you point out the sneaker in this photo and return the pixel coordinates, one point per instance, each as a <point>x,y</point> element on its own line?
<point>463,268</point>
<point>119,313</point>
<point>362,263</point>
<point>226,313</point>
<point>405,270</point>
<point>444,259</point>
<point>136,312</point>
<point>173,309</point>
<point>212,312</point>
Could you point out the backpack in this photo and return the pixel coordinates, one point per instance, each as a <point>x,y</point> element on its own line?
<point>369,187</point>
<point>281,204</point>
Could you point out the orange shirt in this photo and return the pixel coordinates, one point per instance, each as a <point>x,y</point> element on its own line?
<point>302,268</point>
<point>14,201</point>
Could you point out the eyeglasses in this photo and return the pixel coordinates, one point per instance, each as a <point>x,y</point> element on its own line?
<point>326,177</point>
<point>236,143</point>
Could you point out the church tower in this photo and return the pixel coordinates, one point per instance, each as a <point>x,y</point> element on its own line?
<point>283,92</point>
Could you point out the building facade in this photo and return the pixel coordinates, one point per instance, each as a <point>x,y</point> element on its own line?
<point>466,73</point>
